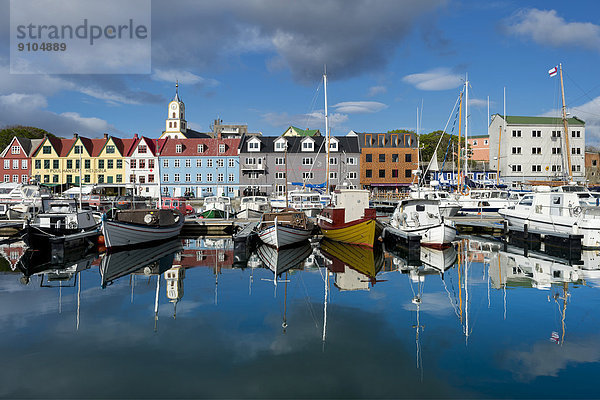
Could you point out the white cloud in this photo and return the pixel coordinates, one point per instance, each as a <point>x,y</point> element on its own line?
<point>588,112</point>
<point>547,28</point>
<point>23,100</point>
<point>375,90</point>
<point>479,103</point>
<point>313,120</point>
<point>435,79</point>
<point>186,77</point>
<point>359,107</point>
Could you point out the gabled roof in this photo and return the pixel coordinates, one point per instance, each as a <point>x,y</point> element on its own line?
<point>554,121</point>
<point>192,134</point>
<point>348,144</point>
<point>303,132</point>
<point>190,147</point>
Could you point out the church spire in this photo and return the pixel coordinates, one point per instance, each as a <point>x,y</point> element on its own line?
<point>176,98</point>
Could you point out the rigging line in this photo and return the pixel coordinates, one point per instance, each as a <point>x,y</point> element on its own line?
<point>449,141</point>
<point>306,299</point>
<point>443,132</point>
<point>312,103</point>
<point>580,88</point>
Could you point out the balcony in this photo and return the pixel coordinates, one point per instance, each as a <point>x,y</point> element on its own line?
<point>253,167</point>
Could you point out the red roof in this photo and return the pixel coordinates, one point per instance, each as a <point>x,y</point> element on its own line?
<point>189,147</point>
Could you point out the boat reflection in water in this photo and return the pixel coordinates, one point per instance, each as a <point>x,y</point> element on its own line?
<point>354,266</point>
<point>282,260</point>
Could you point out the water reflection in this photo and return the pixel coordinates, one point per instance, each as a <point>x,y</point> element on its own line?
<point>424,313</point>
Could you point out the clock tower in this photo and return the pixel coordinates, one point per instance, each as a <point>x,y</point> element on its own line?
<point>175,125</point>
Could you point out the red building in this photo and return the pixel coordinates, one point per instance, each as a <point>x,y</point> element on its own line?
<point>480,147</point>
<point>16,160</point>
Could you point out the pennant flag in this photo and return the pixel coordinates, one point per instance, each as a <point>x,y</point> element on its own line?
<point>554,337</point>
<point>553,71</point>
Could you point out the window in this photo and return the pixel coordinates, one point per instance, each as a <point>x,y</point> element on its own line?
<point>133,164</point>
<point>536,150</point>
<point>119,178</point>
<point>381,140</point>
<point>352,175</point>
<point>221,148</point>
<point>55,164</point>
<point>7,178</point>
<point>15,164</point>
<point>165,163</point>
<point>576,150</point>
<point>46,178</point>
<point>394,173</point>
<point>165,177</point>
<point>516,150</point>
<point>200,148</point>
<point>368,157</point>
<point>333,175</point>
<point>407,173</point>
<point>46,164</point>
<point>307,175</point>
<point>515,168</point>
<point>556,150</point>
<point>69,164</point>
<point>333,161</point>
<point>351,160</point>
<point>307,161</point>
<point>110,164</point>
<point>279,175</point>
<point>38,164</point>
<point>381,157</point>
<point>220,178</point>
<point>100,178</point>
<point>231,163</point>
<point>176,163</point>
<point>536,168</point>
<point>516,133</point>
<point>394,138</point>
<point>55,178</point>
<point>16,178</point>
<point>307,146</point>
<point>132,178</point>
<point>220,163</point>
<point>101,164</point>
<point>178,148</point>
<point>142,149</point>
<point>279,189</point>
<point>110,149</point>
<point>573,134</point>
<point>88,164</point>
<point>188,177</point>
<point>77,165</point>
<point>408,158</point>
<point>333,145</point>
<point>485,141</point>
<point>198,177</point>
<point>536,134</point>
<point>231,178</point>
<point>556,168</point>
<point>555,134</point>
<point>6,164</point>
<point>24,178</point>
<point>209,163</point>
<point>198,163</point>
<point>109,179</point>
<point>176,177</point>
<point>474,142</point>
<point>492,175</point>
<point>47,150</point>
<point>382,173</point>
<point>280,146</point>
<point>279,161</point>
<point>253,175</point>
<point>119,163</point>
<point>209,177</point>
<point>188,163</point>
<point>14,150</point>
<point>407,140</point>
<point>253,146</point>
<point>250,160</point>
<point>368,173</point>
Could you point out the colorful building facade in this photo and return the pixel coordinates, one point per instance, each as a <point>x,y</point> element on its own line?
<point>16,160</point>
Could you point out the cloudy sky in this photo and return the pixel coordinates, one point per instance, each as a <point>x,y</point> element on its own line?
<point>260,62</point>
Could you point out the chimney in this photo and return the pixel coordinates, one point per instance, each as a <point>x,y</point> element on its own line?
<point>105,135</point>
<point>75,136</point>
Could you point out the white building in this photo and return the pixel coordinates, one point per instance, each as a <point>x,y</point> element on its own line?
<point>141,167</point>
<point>534,149</point>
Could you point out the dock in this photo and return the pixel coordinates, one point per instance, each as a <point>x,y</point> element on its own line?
<point>479,224</point>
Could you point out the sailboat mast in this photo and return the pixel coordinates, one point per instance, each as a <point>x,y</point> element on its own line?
<point>466,125</point>
<point>459,137</point>
<point>326,131</point>
<point>565,125</point>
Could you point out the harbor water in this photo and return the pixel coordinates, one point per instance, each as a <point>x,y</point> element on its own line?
<point>193,319</point>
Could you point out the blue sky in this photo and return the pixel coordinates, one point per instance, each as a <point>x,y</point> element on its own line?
<point>259,62</point>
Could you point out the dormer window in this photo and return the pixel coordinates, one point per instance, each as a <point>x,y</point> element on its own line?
<point>142,149</point>
<point>178,148</point>
<point>77,150</point>
<point>333,145</point>
<point>110,149</point>
<point>308,145</point>
<point>254,145</point>
<point>200,148</point>
<point>14,150</point>
<point>221,148</point>
<point>280,145</point>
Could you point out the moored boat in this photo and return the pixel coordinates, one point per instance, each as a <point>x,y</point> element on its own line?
<point>253,207</point>
<point>350,220</point>
<point>284,228</point>
<point>132,227</point>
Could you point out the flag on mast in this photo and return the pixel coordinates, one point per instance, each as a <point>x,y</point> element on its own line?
<point>552,72</point>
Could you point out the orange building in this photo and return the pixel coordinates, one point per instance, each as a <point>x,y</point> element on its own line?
<point>592,167</point>
<point>387,160</point>
<point>480,147</point>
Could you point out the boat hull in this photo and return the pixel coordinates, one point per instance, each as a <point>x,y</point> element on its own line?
<point>438,235</point>
<point>361,232</point>
<point>278,235</point>
<point>123,234</point>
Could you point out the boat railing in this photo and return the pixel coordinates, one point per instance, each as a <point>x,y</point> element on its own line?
<point>389,196</point>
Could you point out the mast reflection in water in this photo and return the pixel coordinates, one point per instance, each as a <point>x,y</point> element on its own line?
<point>477,319</point>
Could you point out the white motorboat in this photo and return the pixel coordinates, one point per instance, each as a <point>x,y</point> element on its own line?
<point>133,227</point>
<point>561,212</point>
<point>449,207</point>
<point>24,201</point>
<point>438,259</point>
<point>585,196</point>
<point>218,204</point>
<point>253,207</point>
<point>482,201</point>
<point>285,228</point>
<point>422,217</point>
<point>307,201</point>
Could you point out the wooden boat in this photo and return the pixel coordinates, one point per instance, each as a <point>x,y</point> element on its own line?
<point>354,266</point>
<point>285,228</point>
<point>133,227</point>
<point>282,260</point>
<point>422,217</point>
<point>350,220</point>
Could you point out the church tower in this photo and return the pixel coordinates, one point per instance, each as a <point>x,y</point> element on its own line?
<point>175,125</point>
